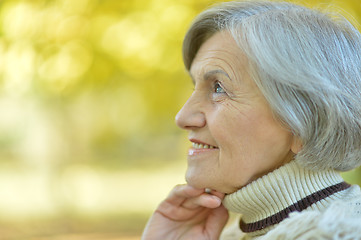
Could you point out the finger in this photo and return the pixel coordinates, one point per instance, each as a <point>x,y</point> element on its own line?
<point>216,221</point>
<point>185,202</point>
<point>214,192</point>
<point>203,200</point>
<point>177,213</point>
<point>181,193</point>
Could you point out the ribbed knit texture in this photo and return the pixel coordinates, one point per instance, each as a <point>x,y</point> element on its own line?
<point>280,189</point>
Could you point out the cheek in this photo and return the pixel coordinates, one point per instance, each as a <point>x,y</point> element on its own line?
<point>233,132</point>
<point>251,132</point>
<point>270,133</point>
<point>235,122</point>
<point>225,126</point>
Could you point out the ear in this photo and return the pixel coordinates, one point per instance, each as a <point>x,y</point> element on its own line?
<point>296,145</point>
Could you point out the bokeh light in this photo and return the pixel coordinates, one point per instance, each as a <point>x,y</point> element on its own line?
<point>88,94</point>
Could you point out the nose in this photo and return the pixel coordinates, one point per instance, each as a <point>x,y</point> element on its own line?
<point>191,115</point>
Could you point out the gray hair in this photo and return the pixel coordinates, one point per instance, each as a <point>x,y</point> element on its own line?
<point>307,65</point>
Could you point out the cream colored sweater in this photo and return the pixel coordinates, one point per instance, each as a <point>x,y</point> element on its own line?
<point>296,203</point>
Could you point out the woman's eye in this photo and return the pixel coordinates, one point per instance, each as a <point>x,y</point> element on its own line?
<point>218,88</point>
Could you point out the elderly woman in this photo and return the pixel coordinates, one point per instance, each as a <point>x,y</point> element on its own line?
<point>274,118</point>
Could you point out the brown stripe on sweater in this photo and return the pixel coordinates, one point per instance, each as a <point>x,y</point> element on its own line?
<point>298,206</point>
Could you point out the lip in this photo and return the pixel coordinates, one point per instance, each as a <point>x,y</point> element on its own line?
<point>193,140</point>
<point>196,151</point>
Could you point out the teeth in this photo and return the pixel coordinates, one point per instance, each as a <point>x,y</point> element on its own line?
<point>200,145</point>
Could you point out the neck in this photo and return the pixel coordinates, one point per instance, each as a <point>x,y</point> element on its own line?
<point>268,200</point>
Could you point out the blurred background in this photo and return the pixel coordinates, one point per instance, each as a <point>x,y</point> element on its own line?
<point>88,94</point>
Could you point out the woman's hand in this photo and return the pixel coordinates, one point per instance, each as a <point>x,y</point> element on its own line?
<point>187,213</point>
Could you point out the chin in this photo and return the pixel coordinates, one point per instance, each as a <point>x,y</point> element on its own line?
<point>197,181</point>
<point>200,182</point>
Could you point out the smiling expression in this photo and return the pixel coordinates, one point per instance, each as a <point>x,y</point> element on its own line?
<point>235,137</point>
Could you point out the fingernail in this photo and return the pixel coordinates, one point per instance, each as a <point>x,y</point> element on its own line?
<point>219,201</point>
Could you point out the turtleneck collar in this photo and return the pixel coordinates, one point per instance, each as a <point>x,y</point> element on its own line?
<point>274,194</point>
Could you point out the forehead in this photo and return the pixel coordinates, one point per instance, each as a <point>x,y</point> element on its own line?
<point>219,51</point>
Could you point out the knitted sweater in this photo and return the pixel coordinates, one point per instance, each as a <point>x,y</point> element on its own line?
<point>296,203</point>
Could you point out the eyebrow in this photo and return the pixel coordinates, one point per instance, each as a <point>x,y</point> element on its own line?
<point>207,75</point>
<point>213,72</point>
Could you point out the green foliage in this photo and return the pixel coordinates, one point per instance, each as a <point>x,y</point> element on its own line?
<point>94,76</point>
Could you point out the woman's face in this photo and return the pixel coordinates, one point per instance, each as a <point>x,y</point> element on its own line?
<point>235,138</point>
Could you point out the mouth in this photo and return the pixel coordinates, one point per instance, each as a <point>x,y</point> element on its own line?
<point>202,146</point>
<point>199,147</point>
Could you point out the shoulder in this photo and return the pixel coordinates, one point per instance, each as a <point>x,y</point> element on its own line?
<point>341,220</point>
